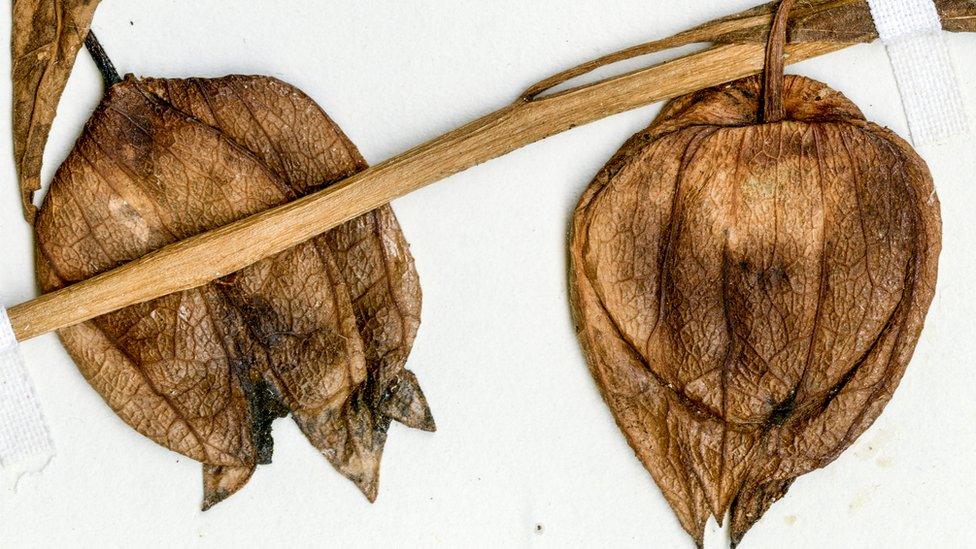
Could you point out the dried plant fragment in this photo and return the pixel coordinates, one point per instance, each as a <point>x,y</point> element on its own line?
<point>44,42</point>
<point>827,21</point>
<point>846,21</point>
<point>321,331</point>
<point>748,291</point>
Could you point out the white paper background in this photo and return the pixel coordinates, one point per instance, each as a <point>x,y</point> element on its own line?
<point>524,441</point>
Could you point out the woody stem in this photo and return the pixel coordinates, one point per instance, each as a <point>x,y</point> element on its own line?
<point>109,75</point>
<point>772,96</point>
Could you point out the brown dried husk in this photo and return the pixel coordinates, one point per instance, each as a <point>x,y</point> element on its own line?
<point>321,331</point>
<point>748,295</point>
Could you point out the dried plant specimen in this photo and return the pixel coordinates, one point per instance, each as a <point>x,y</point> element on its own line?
<point>45,39</point>
<point>749,288</point>
<point>812,21</point>
<point>321,331</point>
<point>825,20</point>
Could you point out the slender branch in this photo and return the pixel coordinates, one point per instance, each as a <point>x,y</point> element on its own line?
<point>109,75</point>
<point>841,21</point>
<point>705,33</point>
<point>202,258</point>
<point>199,259</point>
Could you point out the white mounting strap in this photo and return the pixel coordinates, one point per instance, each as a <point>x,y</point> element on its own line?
<point>25,444</point>
<point>912,32</point>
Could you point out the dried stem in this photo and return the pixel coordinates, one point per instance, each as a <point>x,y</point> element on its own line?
<point>703,33</point>
<point>772,94</point>
<point>205,257</point>
<point>202,258</point>
<point>109,75</point>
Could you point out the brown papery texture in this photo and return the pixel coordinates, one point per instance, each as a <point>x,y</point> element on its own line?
<point>321,331</point>
<point>44,41</point>
<point>748,295</point>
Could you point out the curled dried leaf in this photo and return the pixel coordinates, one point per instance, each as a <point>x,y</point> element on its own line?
<point>44,42</point>
<point>321,331</point>
<point>748,295</point>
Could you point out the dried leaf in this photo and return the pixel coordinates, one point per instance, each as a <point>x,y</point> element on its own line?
<point>321,331</point>
<point>748,295</point>
<point>44,40</point>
